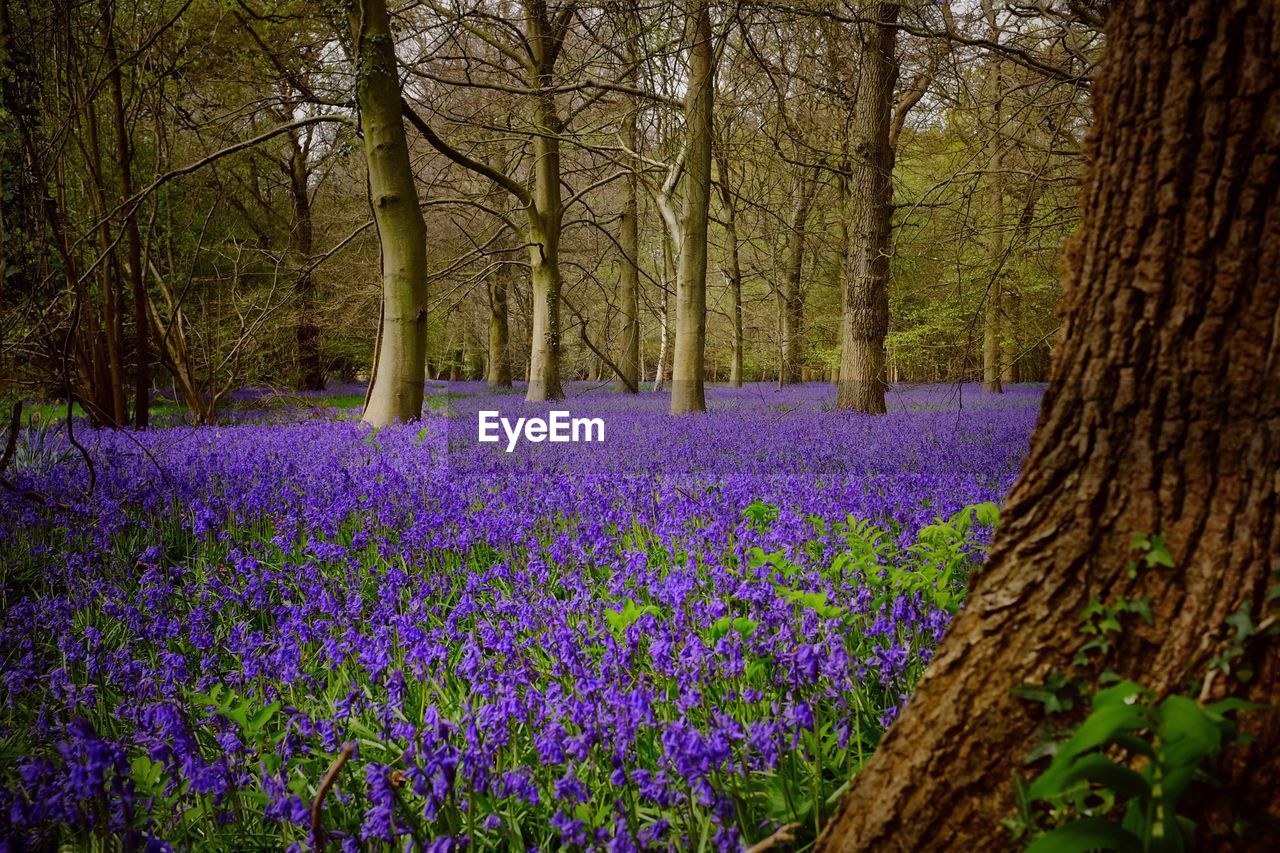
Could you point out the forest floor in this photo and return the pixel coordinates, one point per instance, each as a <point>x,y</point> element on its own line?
<point>687,635</point>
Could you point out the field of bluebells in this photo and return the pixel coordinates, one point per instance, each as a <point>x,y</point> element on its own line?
<point>682,638</point>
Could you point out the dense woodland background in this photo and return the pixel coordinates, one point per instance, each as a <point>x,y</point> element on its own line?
<point>202,196</point>
<point>185,193</point>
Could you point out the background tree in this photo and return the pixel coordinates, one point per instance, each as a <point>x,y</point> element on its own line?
<point>399,367</point>
<point>687,363</point>
<point>865,312</point>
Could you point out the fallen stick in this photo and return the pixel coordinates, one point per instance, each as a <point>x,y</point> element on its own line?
<point>783,835</point>
<point>330,775</point>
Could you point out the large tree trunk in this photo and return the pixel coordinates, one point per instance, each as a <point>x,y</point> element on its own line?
<point>792,297</point>
<point>865,315</point>
<point>544,354</point>
<point>687,362</point>
<point>400,361</point>
<point>1162,415</point>
<point>545,213</point>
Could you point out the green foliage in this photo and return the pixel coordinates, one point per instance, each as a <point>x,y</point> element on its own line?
<point>759,515</point>
<point>1133,758</point>
<point>621,619</point>
<point>1115,781</point>
<point>940,559</point>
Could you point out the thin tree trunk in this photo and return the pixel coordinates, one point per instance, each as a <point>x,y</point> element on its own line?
<point>1162,416</point>
<point>664,311</point>
<point>311,367</point>
<point>993,304</point>
<point>629,290</point>
<point>108,397</point>
<point>499,373</point>
<point>792,301</point>
<point>138,289</point>
<point>397,383</point>
<point>732,268</point>
<point>1015,361</point>
<point>687,363</point>
<point>865,314</point>
<point>629,227</point>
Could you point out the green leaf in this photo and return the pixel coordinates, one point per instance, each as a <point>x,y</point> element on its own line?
<point>1101,726</point>
<point>1125,692</point>
<point>260,719</point>
<point>1158,554</point>
<point>1085,835</point>
<point>987,514</point>
<point>1180,717</point>
<point>1241,621</point>
<point>1103,771</point>
<point>1236,704</point>
<point>1134,744</point>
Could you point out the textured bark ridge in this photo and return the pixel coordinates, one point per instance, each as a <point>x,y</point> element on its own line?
<point>1163,415</point>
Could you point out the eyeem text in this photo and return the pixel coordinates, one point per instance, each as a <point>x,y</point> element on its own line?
<point>558,426</point>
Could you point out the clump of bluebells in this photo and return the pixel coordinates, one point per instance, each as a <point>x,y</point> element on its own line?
<point>684,637</point>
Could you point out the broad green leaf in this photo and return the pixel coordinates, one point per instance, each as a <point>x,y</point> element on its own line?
<point>1101,770</point>
<point>1236,704</point>
<point>1102,725</point>
<point>260,719</point>
<point>1085,835</point>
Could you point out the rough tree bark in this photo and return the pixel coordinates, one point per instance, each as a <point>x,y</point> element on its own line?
<point>1162,415</point>
<point>865,315</point>
<point>395,392</point>
<point>687,361</point>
